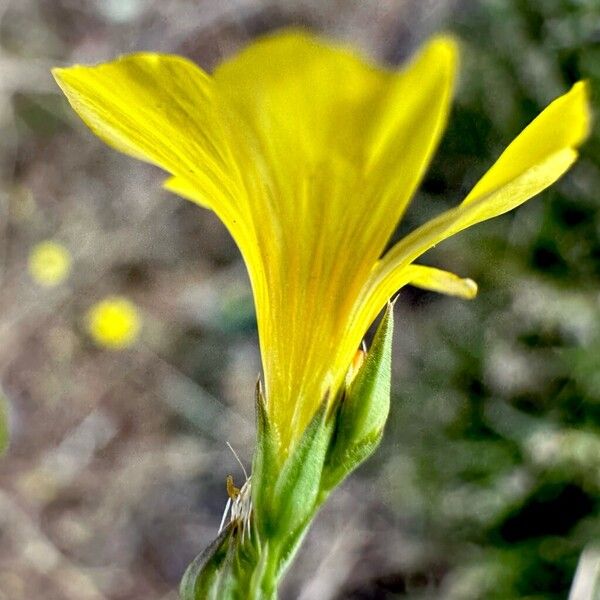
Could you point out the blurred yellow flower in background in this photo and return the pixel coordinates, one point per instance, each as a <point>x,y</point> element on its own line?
<point>114,323</point>
<point>310,156</point>
<point>49,263</point>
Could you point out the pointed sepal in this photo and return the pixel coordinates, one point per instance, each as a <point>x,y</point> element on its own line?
<point>298,483</point>
<point>363,409</point>
<point>201,580</point>
<point>265,467</point>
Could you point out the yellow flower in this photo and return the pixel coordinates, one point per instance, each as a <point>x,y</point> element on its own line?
<point>49,263</point>
<point>310,155</point>
<point>114,323</point>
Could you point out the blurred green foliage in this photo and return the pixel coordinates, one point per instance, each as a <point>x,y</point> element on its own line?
<point>493,452</point>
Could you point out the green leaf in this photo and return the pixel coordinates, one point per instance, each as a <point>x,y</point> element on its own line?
<point>363,411</point>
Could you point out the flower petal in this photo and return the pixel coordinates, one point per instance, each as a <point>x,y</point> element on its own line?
<point>411,120</point>
<point>303,98</point>
<point>186,189</point>
<point>157,108</point>
<point>307,103</point>
<point>565,123</point>
<point>443,282</point>
<point>559,129</point>
<point>165,110</point>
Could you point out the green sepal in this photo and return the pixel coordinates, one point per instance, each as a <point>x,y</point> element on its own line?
<point>201,580</point>
<point>298,485</point>
<point>362,410</point>
<point>224,571</point>
<point>265,467</point>
<point>286,493</point>
<point>286,496</point>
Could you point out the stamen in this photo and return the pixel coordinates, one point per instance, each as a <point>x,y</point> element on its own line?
<point>227,507</point>
<point>232,491</point>
<point>239,502</point>
<point>356,364</point>
<point>238,507</point>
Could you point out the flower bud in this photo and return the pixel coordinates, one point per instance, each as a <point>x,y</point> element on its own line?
<point>364,407</point>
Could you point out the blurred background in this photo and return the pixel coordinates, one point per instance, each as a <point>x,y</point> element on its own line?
<point>487,484</point>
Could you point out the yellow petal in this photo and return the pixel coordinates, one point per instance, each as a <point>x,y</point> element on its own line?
<point>157,108</point>
<point>164,110</point>
<point>186,189</point>
<point>306,103</point>
<point>565,121</point>
<point>409,124</point>
<point>521,172</point>
<point>427,278</point>
<point>302,97</point>
<point>443,282</point>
